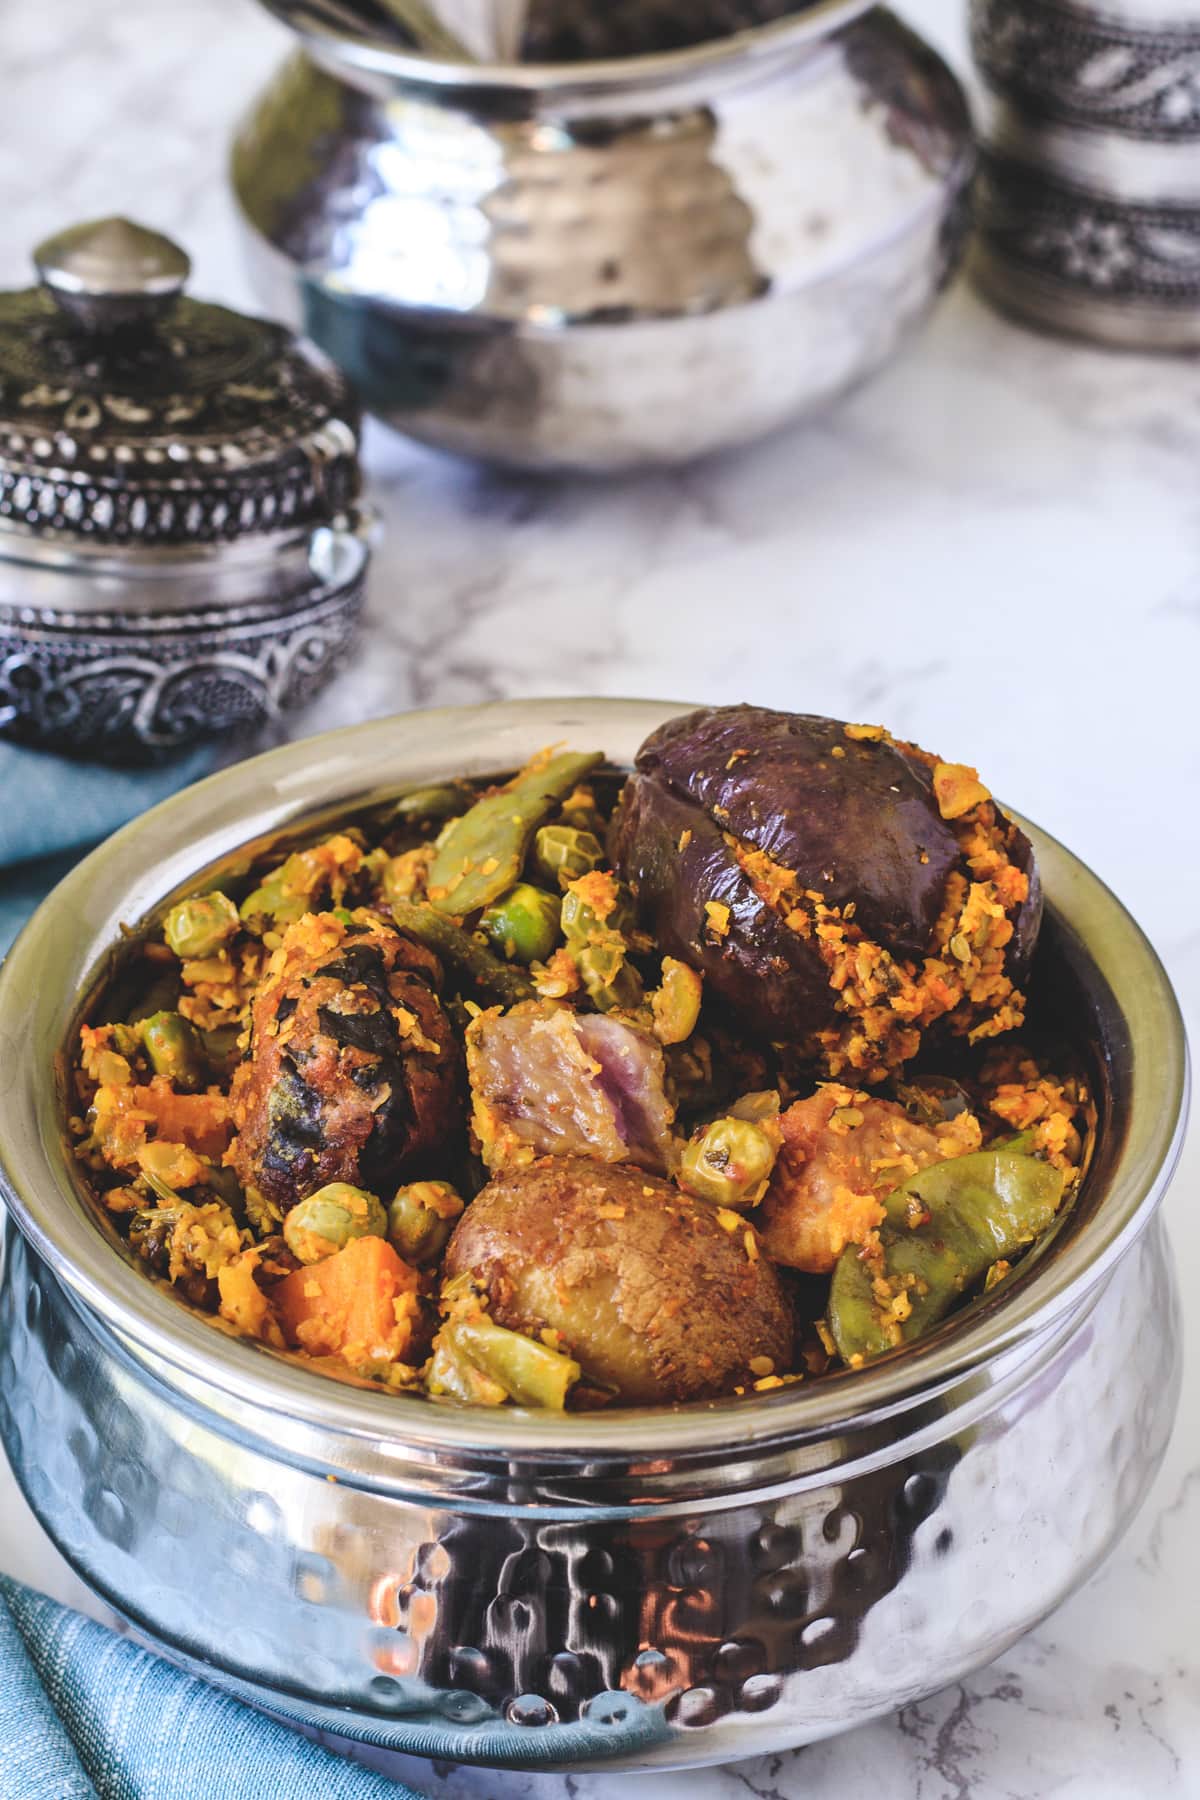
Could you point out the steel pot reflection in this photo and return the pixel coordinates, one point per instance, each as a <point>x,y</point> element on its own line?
<point>653,1588</point>
<point>606,263</point>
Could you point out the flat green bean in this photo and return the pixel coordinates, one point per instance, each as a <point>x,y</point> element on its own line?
<point>493,979</point>
<point>430,805</point>
<point>945,1227</point>
<point>529,1372</point>
<point>482,853</point>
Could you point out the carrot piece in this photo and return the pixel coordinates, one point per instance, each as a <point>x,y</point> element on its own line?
<point>201,1121</point>
<point>360,1303</point>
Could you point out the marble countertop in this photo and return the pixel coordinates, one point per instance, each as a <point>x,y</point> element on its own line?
<point>995,501</point>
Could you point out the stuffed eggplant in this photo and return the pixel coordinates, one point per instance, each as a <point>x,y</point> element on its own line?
<point>352,1070</point>
<point>839,889</point>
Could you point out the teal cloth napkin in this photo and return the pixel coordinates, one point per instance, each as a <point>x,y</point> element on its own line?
<point>53,809</point>
<point>86,1715</point>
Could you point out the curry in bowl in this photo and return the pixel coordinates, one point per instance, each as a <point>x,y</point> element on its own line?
<point>588,1089</point>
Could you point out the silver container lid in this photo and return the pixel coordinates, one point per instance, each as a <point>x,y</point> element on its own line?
<point>178,487</point>
<point>131,415</point>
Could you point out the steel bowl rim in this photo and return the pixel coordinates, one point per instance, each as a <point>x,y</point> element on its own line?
<point>349,53</point>
<point>280,789</point>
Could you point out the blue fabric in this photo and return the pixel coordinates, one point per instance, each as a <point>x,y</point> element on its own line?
<point>53,809</point>
<point>86,1715</point>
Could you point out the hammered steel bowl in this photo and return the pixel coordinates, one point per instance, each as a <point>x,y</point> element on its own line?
<point>650,1588</point>
<point>600,264</point>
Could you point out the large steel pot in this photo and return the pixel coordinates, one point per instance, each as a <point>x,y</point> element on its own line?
<point>654,1587</point>
<point>594,264</point>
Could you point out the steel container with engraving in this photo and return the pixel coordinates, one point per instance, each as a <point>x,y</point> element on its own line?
<point>1089,192</point>
<point>181,550</point>
<point>648,1588</point>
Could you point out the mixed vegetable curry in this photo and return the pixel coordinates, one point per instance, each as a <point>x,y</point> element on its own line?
<point>580,1091</point>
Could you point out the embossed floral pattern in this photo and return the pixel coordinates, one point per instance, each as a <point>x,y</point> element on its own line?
<point>1068,66</point>
<point>1105,247</point>
<point>137,693</point>
<point>210,430</point>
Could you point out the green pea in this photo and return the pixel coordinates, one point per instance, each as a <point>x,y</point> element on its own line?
<point>294,887</point>
<point>198,927</point>
<point>759,1106</point>
<point>610,979</point>
<point>522,924</point>
<point>330,1219</point>
<point>420,1219</point>
<point>276,902</point>
<point>562,854</point>
<point>728,1162</point>
<point>581,922</point>
<point>675,1003</point>
<point>175,1050</point>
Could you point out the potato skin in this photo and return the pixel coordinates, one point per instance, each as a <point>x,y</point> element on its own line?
<point>656,1299</point>
<point>855,819</point>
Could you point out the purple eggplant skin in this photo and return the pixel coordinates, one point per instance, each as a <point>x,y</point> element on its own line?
<point>766,974</point>
<point>862,825</point>
<point>1018,956</point>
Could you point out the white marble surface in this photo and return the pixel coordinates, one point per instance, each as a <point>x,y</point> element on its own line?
<point>994,502</point>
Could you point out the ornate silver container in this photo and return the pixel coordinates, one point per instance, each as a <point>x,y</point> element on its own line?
<point>1089,198</point>
<point>571,235</point>
<point>180,547</point>
<point>653,1588</point>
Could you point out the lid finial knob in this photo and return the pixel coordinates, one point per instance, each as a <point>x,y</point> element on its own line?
<point>111,273</point>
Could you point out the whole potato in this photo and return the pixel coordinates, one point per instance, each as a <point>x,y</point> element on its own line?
<point>653,1296</point>
<point>752,836</point>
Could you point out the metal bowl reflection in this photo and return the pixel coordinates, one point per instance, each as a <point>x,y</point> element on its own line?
<point>602,264</point>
